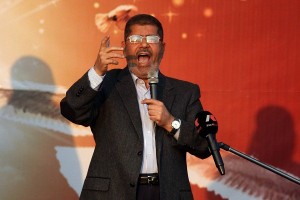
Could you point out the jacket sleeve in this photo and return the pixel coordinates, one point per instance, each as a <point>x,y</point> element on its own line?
<point>189,139</point>
<point>78,105</point>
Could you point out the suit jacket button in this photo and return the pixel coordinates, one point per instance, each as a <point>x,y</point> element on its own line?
<point>140,153</point>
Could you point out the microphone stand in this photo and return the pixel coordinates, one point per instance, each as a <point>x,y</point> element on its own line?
<point>253,160</point>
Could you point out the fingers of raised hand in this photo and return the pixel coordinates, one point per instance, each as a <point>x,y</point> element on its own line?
<point>105,42</point>
<point>109,57</point>
<point>107,53</point>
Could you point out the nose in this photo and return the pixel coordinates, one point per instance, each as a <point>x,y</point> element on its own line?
<point>144,42</point>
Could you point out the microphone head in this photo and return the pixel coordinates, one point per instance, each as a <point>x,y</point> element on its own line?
<point>153,76</point>
<point>207,123</point>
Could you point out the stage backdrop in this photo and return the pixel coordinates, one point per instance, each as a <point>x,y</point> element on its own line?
<point>244,54</point>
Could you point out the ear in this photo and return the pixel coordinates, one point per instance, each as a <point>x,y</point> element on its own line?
<point>162,50</point>
<point>161,53</point>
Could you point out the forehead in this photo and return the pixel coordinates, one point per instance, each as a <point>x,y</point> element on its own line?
<point>143,29</point>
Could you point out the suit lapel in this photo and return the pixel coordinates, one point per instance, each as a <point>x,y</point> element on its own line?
<point>166,95</point>
<point>127,91</point>
<point>165,92</point>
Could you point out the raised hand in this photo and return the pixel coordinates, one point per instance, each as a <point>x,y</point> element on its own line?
<point>107,55</point>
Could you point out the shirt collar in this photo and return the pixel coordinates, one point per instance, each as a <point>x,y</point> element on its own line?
<point>137,80</point>
<point>134,78</point>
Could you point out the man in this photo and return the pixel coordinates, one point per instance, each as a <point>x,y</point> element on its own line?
<point>141,143</point>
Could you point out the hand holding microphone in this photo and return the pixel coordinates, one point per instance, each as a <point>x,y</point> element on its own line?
<point>157,111</point>
<point>208,128</point>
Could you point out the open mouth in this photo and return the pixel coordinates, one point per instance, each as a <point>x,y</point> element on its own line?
<point>143,58</point>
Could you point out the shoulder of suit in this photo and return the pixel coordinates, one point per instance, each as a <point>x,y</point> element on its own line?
<point>113,72</point>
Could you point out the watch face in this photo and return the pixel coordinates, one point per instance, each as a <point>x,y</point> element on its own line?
<point>176,124</point>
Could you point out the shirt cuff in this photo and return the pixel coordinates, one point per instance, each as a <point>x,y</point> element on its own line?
<point>176,135</point>
<point>94,78</point>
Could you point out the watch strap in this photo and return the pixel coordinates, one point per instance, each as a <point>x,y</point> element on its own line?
<point>174,130</point>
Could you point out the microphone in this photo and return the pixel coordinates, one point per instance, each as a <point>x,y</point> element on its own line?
<point>153,80</point>
<point>208,126</point>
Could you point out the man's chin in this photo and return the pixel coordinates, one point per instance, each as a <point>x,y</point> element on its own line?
<point>141,73</point>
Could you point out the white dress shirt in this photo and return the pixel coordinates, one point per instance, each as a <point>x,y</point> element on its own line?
<point>149,164</point>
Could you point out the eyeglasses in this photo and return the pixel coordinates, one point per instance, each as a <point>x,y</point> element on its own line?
<point>137,39</point>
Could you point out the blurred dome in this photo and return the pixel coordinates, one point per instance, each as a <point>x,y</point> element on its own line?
<point>31,73</point>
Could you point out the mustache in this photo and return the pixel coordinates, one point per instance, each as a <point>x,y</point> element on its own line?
<point>145,50</point>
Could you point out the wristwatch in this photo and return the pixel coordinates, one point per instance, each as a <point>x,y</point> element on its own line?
<point>175,126</point>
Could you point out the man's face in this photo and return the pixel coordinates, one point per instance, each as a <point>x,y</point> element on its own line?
<point>143,57</point>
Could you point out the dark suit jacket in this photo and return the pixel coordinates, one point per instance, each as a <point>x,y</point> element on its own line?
<point>114,117</point>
